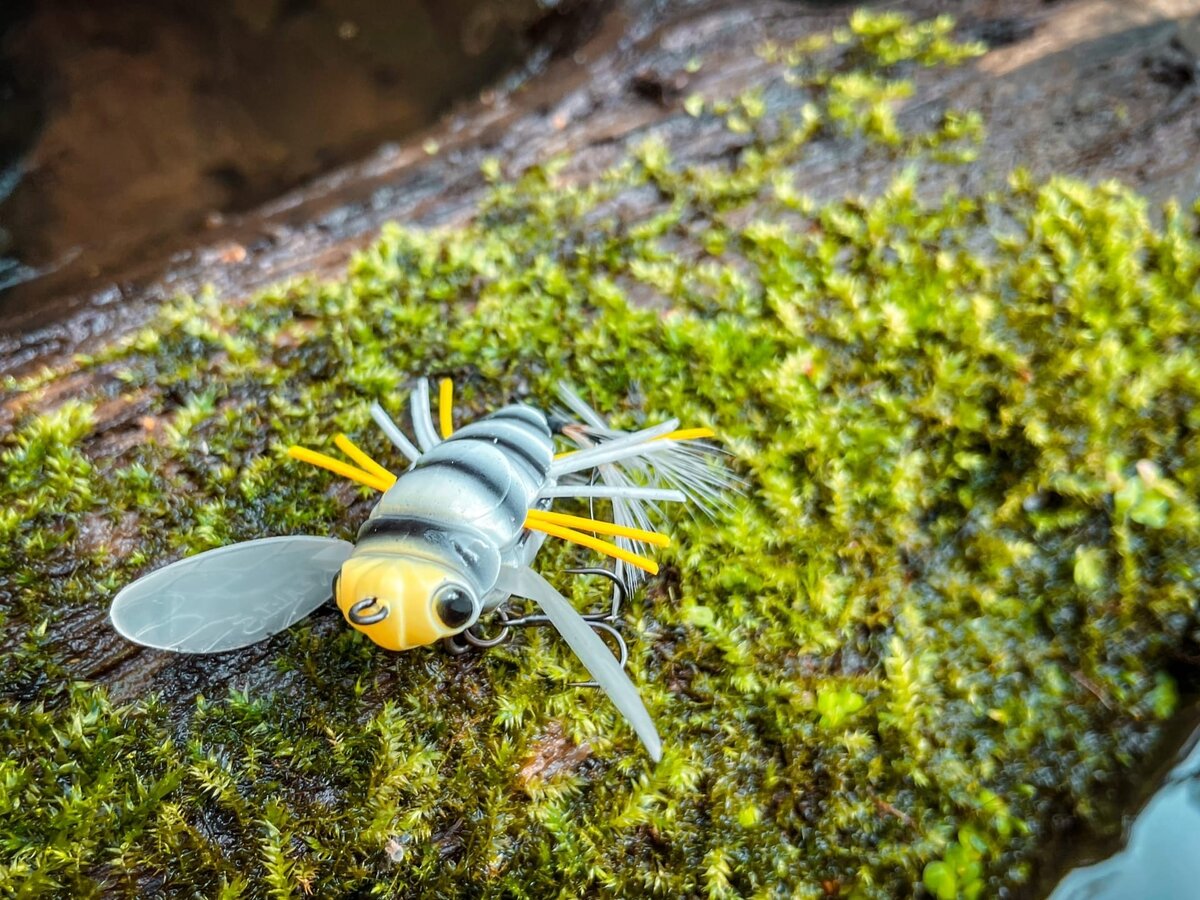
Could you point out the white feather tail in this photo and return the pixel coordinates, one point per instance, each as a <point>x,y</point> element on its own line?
<point>636,466</point>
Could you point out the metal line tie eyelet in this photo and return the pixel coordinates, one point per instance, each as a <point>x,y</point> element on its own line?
<point>356,611</point>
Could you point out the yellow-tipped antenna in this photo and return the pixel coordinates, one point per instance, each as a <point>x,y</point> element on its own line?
<point>446,406</point>
<point>338,467</point>
<point>357,454</point>
<point>681,434</point>
<point>599,527</point>
<point>687,434</point>
<point>593,543</point>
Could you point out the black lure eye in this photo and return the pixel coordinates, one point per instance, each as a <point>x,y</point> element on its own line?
<point>454,606</point>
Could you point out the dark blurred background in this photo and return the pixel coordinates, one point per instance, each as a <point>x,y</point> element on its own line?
<point>127,125</point>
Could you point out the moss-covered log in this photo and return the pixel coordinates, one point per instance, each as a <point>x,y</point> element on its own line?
<point>941,623</point>
<point>1082,88</point>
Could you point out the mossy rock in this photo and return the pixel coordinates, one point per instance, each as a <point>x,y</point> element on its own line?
<point>939,619</point>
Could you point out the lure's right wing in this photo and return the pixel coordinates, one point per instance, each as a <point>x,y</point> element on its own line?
<point>591,651</point>
<point>230,597</point>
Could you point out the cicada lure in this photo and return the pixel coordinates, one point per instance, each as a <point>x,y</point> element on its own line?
<point>452,539</point>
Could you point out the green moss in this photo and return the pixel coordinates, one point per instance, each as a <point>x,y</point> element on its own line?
<point>940,618</point>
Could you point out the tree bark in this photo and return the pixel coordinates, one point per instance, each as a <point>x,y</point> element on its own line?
<point>1094,88</point>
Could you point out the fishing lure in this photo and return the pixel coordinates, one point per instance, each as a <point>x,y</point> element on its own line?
<point>452,539</point>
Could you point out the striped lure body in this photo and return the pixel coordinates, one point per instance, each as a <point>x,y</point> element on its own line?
<point>452,538</point>
<point>443,531</point>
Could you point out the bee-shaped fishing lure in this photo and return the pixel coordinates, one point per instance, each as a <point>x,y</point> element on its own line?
<point>452,538</point>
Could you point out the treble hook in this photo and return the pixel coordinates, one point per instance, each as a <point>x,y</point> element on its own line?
<point>620,592</point>
<point>604,622</point>
<point>598,621</point>
<point>458,644</point>
<point>622,648</point>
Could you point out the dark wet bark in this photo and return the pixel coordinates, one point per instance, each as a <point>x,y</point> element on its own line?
<point>1087,88</point>
<point>1064,89</point>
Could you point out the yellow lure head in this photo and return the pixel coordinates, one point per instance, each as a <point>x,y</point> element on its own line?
<point>401,601</point>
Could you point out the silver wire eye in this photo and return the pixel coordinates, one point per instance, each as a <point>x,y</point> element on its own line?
<point>358,612</point>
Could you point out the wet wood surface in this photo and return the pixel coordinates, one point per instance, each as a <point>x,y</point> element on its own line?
<point>1091,88</point>
<point>1095,88</point>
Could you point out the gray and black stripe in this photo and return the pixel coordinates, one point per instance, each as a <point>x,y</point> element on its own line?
<point>486,476</point>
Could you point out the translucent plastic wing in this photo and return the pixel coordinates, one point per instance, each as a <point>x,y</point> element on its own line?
<point>596,657</point>
<point>229,597</point>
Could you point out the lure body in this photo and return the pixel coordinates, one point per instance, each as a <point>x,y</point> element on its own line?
<point>456,517</point>
<point>451,538</point>
<point>486,475</point>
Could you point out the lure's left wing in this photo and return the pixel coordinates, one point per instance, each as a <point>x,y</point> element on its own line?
<point>230,597</point>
